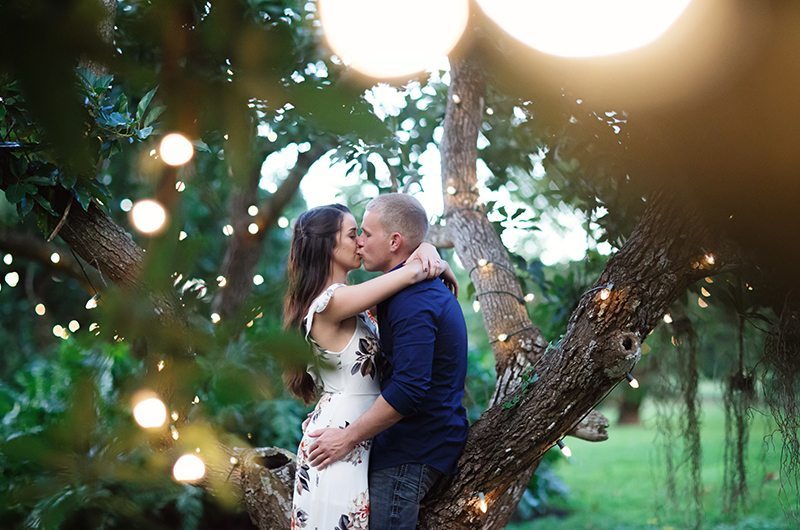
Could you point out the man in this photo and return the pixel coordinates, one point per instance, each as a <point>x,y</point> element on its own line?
<point>417,424</point>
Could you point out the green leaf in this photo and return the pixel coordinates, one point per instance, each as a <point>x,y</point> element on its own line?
<point>83,197</point>
<point>153,115</point>
<point>144,133</point>
<point>15,192</point>
<point>117,119</point>
<point>24,207</point>
<point>68,180</point>
<point>141,108</point>
<point>45,204</point>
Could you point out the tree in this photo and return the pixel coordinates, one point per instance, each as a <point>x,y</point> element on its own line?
<point>646,176</point>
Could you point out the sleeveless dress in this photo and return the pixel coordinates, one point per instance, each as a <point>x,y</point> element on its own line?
<point>337,497</point>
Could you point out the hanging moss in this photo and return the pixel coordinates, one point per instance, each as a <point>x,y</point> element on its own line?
<point>738,399</point>
<point>678,420</point>
<point>781,385</point>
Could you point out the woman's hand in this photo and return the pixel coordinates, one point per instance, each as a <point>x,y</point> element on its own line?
<point>428,256</point>
<point>449,279</point>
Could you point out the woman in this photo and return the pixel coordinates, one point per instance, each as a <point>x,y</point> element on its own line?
<point>333,318</point>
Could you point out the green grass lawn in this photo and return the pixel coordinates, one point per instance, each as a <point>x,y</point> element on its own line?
<point>619,484</point>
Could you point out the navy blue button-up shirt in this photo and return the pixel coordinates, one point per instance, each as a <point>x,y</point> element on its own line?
<point>424,363</point>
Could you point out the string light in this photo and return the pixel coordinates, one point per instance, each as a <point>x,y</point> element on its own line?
<point>12,278</point>
<point>502,337</point>
<point>704,291</point>
<point>702,303</point>
<point>148,216</point>
<point>234,460</point>
<point>509,293</point>
<point>482,505</point>
<point>174,432</point>
<point>8,259</point>
<point>175,415</point>
<point>40,309</point>
<point>283,222</point>
<point>222,281</point>
<point>189,468</point>
<point>258,279</point>
<point>708,279</point>
<point>74,326</point>
<point>709,258</point>
<point>196,400</point>
<point>55,257</point>
<point>451,190</point>
<point>482,262</point>
<point>227,230</point>
<point>180,186</point>
<point>530,297</point>
<point>252,228</point>
<point>564,449</point>
<point>175,149</point>
<point>632,380</point>
<point>183,235</point>
<point>252,210</point>
<point>605,293</point>
<point>215,318</point>
<point>160,365</point>
<point>93,326</point>
<point>668,318</point>
<point>149,411</point>
<point>92,302</point>
<point>125,205</point>
<point>476,306</point>
<point>58,331</point>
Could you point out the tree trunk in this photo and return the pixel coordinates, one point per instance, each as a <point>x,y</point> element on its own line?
<point>244,249</point>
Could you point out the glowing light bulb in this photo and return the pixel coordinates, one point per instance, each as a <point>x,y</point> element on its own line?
<point>252,228</point>
<point>605,292</point>
<point>482,262</point>
<point>234,460</point>
<point>125,205</point>
<point>183,235</point>
<point>283,222</point>
<point>55,257</point>
<point>189,468</point>
<point>564,449</point>
<point>632,380</point>
<point>476,306</point>
<point>74,326</point>
<point>530,297</point>
<point>175,149</point>
<point>372,36</point>
<point>58,330</point>
<point>482,505</point>
<point>227,230</point>
<point>149,411</point>
<point>160,365</point>
<point>708,279</point>
<point>180,186</point>
<point>710,259</point>
<point>12,278</point>
<point>704,291</point>
<point>174,432</point>
<point>91,303</point>
<point>8,259</point>
<point>668,318</point>
<point>702,303</point>
<point>502,337</point>
<point>40,309</point>
<point>222,281</point>
<point>148,216</point>
<point>258,279</point>
<point>196,400</point>
<point>451,190</point>
<point>215,318</point>
<point>252,210</point>
<point>579,28</point>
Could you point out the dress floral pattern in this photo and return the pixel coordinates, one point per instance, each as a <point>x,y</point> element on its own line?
<point>337,497</point>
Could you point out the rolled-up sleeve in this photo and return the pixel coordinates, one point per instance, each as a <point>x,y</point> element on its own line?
<point>414,335</point>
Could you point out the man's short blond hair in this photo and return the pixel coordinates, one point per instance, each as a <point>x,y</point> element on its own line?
<point>401,213</point>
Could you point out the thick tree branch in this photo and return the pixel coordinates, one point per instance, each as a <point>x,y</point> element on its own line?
<point>30,246</point>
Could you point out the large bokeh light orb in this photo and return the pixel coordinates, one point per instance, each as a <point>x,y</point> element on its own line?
<point>189,468</point>
<point>149,411</point>
<point>148,216</point>
<point>387,39</point>
<point>175,149</point>
<point>584,28</point>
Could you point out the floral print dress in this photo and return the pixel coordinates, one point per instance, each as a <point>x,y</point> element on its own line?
<point>337,497</point>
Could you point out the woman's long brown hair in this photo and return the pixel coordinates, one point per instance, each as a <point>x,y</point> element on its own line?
<point>313,241</point>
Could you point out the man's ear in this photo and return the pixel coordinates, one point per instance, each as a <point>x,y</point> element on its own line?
<point>395,241</point>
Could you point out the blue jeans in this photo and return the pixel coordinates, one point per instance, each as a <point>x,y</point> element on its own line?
<point>395,494</point>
